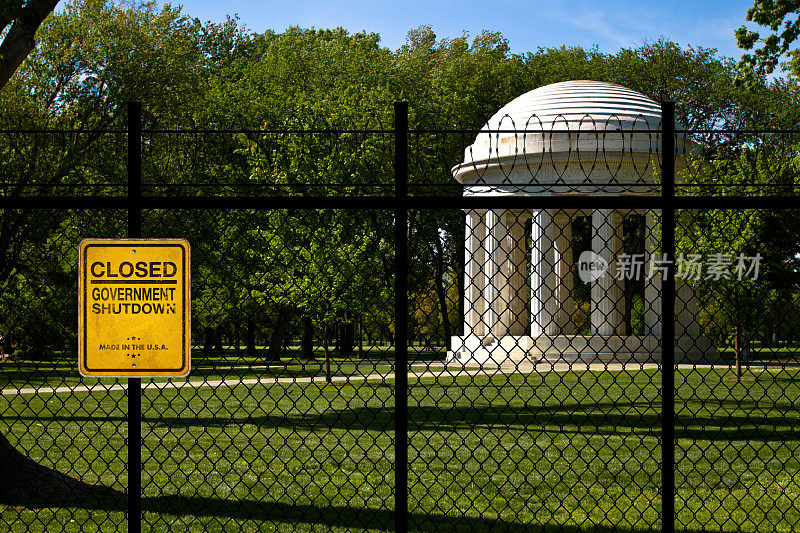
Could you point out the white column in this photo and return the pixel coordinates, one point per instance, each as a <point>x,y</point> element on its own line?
<point>542,274</point>
<point>563,273</point>
<point>473,273</point>
<point>687,311</point>
<point>652,286</point>
<point>515,272</point>
<point>606,291</point>
<point>618,219</point>
<point>494,275</point>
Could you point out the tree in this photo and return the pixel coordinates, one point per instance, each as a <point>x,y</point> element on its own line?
<point>92,58</point>
<point>282,270</point>
<point>450,83</point>
<point>780,16</point>
<point>739,304</point>
<point>19,20</point>
<point>309,269</point>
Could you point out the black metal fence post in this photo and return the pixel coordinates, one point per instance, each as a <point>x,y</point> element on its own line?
<point>134,384</point>
<point>668,318</point>
<point>401,317</point>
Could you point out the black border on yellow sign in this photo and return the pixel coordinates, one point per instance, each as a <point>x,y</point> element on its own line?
<point>185,367</point>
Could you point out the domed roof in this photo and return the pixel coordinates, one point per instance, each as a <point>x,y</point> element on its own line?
<point>567,106</point>
<point>578,132</point>
<point>578,102</point>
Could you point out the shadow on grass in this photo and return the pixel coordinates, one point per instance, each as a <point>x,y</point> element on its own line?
<point>337,516</point>
<point>597,418</point>
<point>784,405</point>
<point>585,419</point>
<point>780,377</point>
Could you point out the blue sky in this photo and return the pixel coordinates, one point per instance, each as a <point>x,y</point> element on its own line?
<point>611,24</point>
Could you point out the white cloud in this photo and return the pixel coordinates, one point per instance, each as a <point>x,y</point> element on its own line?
<point>617,24</point>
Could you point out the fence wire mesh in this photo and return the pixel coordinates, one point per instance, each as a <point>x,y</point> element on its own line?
<point>736,409</point>
<point>288,413</point>
<point>63,437</point>
<point>535,413</point>
<point>535,339</point>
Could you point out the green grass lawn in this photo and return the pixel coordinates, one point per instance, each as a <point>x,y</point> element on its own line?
<point>573,449</point>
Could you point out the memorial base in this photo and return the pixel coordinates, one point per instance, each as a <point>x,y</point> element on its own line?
<point>473,350</point>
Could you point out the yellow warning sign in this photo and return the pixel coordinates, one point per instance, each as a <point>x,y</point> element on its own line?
<point>134,309</point>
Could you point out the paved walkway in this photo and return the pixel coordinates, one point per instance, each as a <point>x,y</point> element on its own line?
<point>451,371</point>
<point>174,384</point>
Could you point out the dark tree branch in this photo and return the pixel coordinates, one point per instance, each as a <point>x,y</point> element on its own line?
<point>9,9</point>
<point>19,42</point>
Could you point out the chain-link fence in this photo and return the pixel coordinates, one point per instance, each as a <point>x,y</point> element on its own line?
<point>376,348</point>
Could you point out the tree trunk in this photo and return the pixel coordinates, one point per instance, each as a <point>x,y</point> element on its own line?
<point>737,348</point>
<point>237,332</point>
<point>746,345</point>
<point>628,293</point>
<point>440,290</point>
<point>18,41</point>
<point>337,347</point>
<point>327,355</point>
<point>346,336</point>
<point>218,339</point>
<point>278,333</point>
<point>208,340</point>
<point>360,336</point>
<point>632,287</point>
<point>307,342</point>
<point>251,338</point>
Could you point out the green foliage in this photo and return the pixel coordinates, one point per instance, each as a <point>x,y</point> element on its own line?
<point>96,55</point>
<point>744,303</point>
<point>327,73</point>
<point>270,269</point>
<point>781,18</point>
<point>452,82</point>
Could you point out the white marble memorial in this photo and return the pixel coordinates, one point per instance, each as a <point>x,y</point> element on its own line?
<point>555,159</point>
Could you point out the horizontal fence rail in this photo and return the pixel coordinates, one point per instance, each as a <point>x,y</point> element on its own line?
<point>396,326</point>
